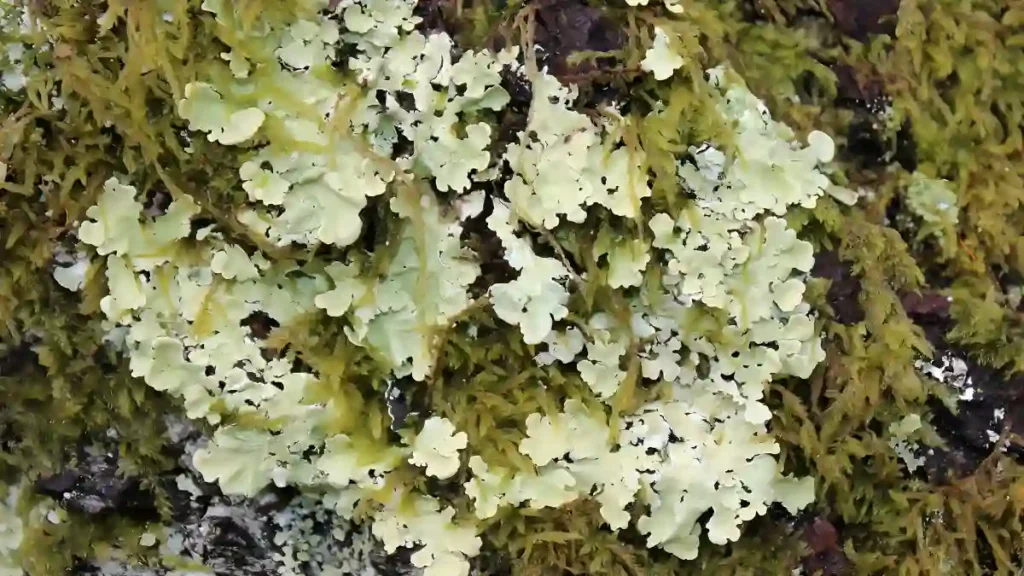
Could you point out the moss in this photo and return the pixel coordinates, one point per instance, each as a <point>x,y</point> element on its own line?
<point>57,548</point>
<point>61,387</point>
<point>894,523</point>
<point>951,72</point>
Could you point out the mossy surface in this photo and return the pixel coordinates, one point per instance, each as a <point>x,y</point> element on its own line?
<point>934,87</point>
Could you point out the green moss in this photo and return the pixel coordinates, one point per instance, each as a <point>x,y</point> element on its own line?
<point>61,388</point>
<point>953,73</point>
<point>55,548</point>
<point>950,73</point>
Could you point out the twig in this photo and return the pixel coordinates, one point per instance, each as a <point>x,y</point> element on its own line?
<point>550,238</point>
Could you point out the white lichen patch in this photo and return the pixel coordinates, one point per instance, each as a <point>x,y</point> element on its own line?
<point>442,545</point>
<point>311,539</point>
<point>11,532</point>
<point>933,200</point>
<point>900,441</point>
<point>437,447</point>
<point>661,60</point>
<point>373,183</point>
<point>950,370</point>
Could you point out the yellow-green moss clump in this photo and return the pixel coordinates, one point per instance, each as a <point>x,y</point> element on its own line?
<point>584,287</point>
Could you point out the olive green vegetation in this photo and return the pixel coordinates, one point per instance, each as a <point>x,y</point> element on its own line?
<point>951,70</point>
<point>61,388</point>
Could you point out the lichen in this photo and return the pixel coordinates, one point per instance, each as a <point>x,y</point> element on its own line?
<point>471,232</point>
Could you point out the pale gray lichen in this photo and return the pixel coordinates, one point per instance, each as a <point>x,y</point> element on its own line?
<point>936,203</point>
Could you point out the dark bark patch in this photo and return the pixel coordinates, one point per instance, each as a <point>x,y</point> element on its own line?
<point>844,289</point>
<point>827,557</point>
<point>863,18</point>
<point>95,488</point>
